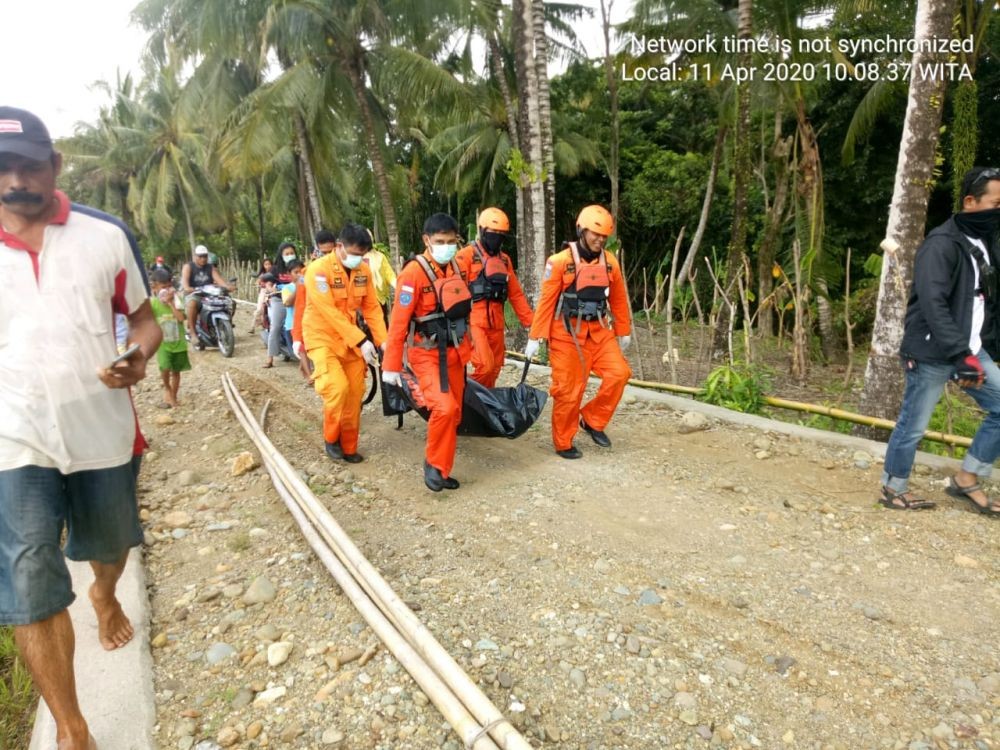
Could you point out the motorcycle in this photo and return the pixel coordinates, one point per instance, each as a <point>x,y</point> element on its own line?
<point>214,324</point>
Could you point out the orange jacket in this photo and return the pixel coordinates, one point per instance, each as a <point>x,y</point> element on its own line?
<point>415,298</point>
<point>559,274</point>
<point>487,313</point>
<point>334,297</point>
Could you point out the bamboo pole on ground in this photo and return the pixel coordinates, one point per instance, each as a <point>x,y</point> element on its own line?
<point>392,607</point>
<point>782,403</point>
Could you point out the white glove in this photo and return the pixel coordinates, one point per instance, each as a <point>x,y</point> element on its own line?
<point>297,349</point>
<point>392,378</point>
<point>369,352</point>
<point>531,349</point>
<point>624,341</point>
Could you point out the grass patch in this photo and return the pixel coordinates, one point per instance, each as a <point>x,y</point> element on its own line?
<point>240,542</point>
<point>17,696</point>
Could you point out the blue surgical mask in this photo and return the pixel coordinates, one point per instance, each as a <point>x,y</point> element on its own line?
<point>443,253</point>
<point>352,261</point>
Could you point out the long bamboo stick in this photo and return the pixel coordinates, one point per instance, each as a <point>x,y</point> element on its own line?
<point>391,605</point>
<point>453,710</point>
<point>782,403</point>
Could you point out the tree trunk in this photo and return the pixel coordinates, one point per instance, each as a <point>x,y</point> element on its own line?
<point>258,189</point>
<point>706,207</point>
<point>609,72</point>
<point>355,69</point>
<point>907,216</point>
<point>315,221</point>
<point>545,122</point>
<point>773,223</point>
<point>187,216</point>
<point>741,178</point>
<point>510,109</point>
<point>529,158</point>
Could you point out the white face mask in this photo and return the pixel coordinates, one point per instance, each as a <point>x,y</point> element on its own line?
<point>288,258</point>
<point>443,253</point>
<point>352,261</point>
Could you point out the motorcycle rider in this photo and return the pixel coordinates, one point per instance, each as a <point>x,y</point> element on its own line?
<point>194,275</point>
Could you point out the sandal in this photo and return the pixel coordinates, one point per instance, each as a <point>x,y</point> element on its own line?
<point>904,500</point>
<point>964,493</point>
<point>267,365</point>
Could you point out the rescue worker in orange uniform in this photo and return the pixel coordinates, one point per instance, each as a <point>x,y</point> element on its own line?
<point>492,281</point>
<point>342,328</point>
<point>584,313</point>
<point>429,326</point>
<point>326,243</point>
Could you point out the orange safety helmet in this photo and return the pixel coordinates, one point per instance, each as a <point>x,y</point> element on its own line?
<point>493,219</point>
<point>597,219</point>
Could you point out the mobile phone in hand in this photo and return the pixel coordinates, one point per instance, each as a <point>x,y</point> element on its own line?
<point>127,354</point>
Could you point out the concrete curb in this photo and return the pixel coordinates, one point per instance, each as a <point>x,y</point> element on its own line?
<point>687,403</point>
<point>115,688</point>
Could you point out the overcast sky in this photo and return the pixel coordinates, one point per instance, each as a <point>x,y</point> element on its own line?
<point>55,50</point>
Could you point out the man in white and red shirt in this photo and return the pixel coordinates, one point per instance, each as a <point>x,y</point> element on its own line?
<point>69,438</point>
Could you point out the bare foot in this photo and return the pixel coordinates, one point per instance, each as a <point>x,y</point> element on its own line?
<point>114,629</point>
<point>70,743</point>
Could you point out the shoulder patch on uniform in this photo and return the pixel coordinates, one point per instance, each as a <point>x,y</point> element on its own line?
<point>405,298</point>
<point>548,270</point>
<point>321,283</point>
<point>406,288</point>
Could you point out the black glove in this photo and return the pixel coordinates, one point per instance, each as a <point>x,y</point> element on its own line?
<point>968,368</point>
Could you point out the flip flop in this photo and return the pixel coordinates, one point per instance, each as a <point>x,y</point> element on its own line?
<point>164,405</point>
<point>964,493</point>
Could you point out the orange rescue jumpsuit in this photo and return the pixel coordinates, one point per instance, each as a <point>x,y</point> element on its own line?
<point>332,337</point>
<point>415,298</point>
<point>597,344</point>
<point>487,320</point>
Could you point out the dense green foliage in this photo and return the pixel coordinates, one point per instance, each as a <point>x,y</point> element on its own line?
<point>217,149</point>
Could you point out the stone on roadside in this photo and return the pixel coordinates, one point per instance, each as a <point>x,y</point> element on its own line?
<point>164,419</point>
<point>243,463</point>
<point>267,697</point>
<point>177,519</point>
<point>260,591</point>
<point>268,632</point>
<point>278,653</point>
<point>964,561</point>
<point>254,730</point>
<point>333,737</point>
<point>219,652</point>
<point>649,598</point>
<point>227,737</point>
<point>578,678</point>
<point>692,421</point>
<point>186,478</point>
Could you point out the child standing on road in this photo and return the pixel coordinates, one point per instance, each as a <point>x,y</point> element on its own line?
<point>172,356</point>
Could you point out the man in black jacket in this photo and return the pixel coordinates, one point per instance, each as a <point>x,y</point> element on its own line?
<point>953,309</point>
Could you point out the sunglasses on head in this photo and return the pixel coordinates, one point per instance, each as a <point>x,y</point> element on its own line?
<point>986,175</point>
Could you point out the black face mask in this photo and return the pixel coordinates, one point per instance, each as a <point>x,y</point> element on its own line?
<point>585,252</point>
<point>492,242</point>
<point>979,224</point>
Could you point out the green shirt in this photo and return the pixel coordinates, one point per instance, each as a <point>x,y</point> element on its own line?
<point>173,335</point>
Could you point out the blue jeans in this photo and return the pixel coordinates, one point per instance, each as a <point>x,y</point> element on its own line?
<point>924,384</point>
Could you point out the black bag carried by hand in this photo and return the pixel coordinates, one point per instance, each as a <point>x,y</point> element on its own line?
<point>500,412</point>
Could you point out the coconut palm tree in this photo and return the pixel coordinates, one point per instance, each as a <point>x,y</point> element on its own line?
<point>907,215</point>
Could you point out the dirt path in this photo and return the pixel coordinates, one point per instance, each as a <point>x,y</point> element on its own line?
<point>725,585</point>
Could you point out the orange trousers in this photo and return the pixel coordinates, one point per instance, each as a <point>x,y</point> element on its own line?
<point>340,382</point>
<point>603,357</point>
<point>445,407</point>
<point>487,354</point>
